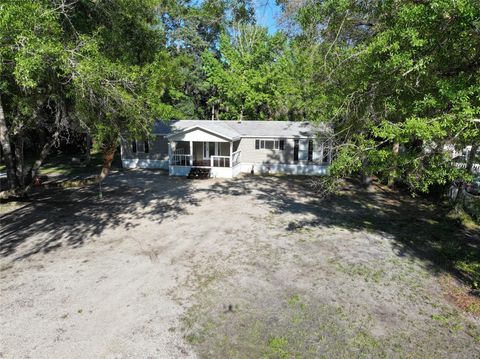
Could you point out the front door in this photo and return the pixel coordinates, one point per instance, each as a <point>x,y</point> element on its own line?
<point>209,149</point>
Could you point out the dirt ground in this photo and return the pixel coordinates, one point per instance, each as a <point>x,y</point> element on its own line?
<point>255,267</point>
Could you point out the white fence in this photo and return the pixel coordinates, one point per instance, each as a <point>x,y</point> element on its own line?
<point>181,160</point>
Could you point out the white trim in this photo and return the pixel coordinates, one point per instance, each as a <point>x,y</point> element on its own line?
<point>144,163</point>
<point>278,136</point>
<point>167,135</point>
<point>191,153</point>
<point>295,169</point>
<point>198,127</point>
<point>236,170</point>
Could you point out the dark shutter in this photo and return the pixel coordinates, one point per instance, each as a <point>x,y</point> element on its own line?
<point>282,145</point>
<point>134,146</point>
<point>146,147</point>
<point>325,153</point>
<point>295,151</point>
<point>257,144</point>
<point>310,150</point>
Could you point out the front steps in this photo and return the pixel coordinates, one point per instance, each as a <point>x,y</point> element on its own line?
<point>199,173</point>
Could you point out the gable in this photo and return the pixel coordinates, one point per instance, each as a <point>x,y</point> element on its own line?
<point>198,134</point>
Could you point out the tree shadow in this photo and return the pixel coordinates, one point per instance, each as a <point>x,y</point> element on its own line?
<point>419,228</point>
<point>69,217</point>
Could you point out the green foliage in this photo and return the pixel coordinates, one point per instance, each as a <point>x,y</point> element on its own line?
<point>398,73</point>
<point>245,76</point>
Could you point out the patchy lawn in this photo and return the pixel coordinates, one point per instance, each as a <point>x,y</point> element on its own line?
<point>255,267</point>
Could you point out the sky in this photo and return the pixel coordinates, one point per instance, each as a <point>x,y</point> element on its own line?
<point>267,13</point>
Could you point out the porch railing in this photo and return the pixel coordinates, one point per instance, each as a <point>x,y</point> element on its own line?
<point>220,161</point>
<point>235,158</point>
<point>181,159</point>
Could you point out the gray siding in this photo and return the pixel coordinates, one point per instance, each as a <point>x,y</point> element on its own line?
<point>263,156</point>
<point>158,149</point>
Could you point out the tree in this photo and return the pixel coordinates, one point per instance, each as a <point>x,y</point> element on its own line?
<point>99,65</point>
<point>32,70</point>
<point>246,74</point>
<point>191,29</point>
<point>121,72</point>
<point>402,79</point>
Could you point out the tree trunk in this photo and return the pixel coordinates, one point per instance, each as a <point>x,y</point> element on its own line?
<point>88,143</point>
<point>7,149</point>
<point>392,176</point>
<point>38,163</point>
<point>108,154</point>
<point>241,115</point>
<point>20,162</point>
<point>366,180</point>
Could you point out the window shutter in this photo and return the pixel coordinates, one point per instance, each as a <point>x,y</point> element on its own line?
<point>134,146</point>
<point>282,145</point>
<point>310,150</point>
<point>147,148</point>
<point>295,150</point>
<point>257,144</point>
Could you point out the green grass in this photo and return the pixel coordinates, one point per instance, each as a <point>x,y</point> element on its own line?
<point>61,164</point>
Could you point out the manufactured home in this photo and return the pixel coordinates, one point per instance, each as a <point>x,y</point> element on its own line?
<point>228,148</point>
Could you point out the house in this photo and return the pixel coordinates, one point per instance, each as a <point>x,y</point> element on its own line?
<point>228,148</point>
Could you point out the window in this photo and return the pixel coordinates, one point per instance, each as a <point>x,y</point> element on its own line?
<point>210,149</point>
<point>310,150</point>
<point>140,146</point>
<point>295,151</point>
<point>212,146</point>
<point>270,144</point>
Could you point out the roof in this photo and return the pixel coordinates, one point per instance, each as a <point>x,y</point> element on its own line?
<point>235,129</point>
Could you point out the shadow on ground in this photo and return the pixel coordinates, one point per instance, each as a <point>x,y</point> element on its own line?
<point>72,216</point>
<point>418,227</point>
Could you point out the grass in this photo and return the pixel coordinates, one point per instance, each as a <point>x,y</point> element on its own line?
<point>61,164</point>
<point>277,348</point>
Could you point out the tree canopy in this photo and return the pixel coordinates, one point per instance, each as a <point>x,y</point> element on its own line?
<point>403,81</point>
<point>399,80</point>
